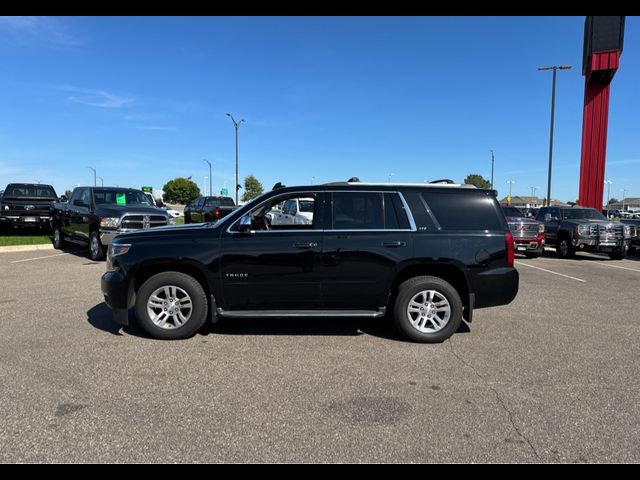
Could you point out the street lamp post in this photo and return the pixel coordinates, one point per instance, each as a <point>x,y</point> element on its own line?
<point>624,191</point>
<point>390,175</point>
<point>101,181</point>
<point>553,105</point>
<point>236,125</point>
<point>210,189</point>
<point>492,162</point>
<point>94,176</point>
<point>608,184</point>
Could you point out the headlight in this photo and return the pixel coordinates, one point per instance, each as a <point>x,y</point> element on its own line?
<point>583,229</point>
<point>627,231</point>
<point>541,228</point>
<point>110,222</point>
<point>116,249</point>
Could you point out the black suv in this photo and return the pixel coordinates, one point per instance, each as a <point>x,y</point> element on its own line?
<point>425,254</point>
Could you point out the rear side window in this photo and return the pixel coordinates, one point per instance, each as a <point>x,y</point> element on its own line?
<point>367,211</point>
<point>467,211</point>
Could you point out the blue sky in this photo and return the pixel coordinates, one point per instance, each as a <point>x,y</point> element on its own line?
<point>143,100</point>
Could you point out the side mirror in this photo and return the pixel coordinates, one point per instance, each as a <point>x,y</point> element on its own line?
<point>63,198</point>
<point>244,224</point>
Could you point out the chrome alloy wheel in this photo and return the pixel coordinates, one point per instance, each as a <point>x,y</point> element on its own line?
<point>429,311</point>
<point>95,246</point>
<point>169,307</point>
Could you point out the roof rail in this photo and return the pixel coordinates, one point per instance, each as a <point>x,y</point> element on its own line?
<point>278,185</point>
<point>448,181</point>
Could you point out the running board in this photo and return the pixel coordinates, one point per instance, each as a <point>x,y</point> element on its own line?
<point>300,313</point>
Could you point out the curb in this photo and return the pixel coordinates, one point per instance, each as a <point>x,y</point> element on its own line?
<point>26,248</point>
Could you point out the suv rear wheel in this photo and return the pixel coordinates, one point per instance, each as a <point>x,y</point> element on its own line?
<point>171,306</point>
<point>427,309</point>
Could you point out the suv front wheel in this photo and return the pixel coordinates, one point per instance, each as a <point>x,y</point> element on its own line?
<point>171,306</point>
<point>427,309</point>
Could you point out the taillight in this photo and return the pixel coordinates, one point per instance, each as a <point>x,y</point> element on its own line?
<point>216,213</point>
<point>510,250</point>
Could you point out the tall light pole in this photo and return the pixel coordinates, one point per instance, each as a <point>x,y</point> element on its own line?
<point>608,184</point>
<point>390,175</point>
<point>94,176</point>
<point>236,125</point>
<point>553,106</point>
<point>492,162</point>
<point>510,182</point>
<point>624,191</point>
<point>533,191</point>
<point>210,189</point>
<point>101,181</point>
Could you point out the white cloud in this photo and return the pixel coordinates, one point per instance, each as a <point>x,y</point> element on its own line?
<point>97,98</point>
<point>34,31</point>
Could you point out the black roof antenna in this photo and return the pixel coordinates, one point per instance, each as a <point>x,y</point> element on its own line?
<point>354,180</point>
<point>443,180</point>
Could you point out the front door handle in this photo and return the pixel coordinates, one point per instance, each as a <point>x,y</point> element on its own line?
<point>393,244</point>
<point>305,244</point>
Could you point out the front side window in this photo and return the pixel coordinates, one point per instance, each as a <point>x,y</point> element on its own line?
<point>269,215</point>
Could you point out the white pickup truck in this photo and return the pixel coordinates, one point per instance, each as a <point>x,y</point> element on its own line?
<point>295,211</point>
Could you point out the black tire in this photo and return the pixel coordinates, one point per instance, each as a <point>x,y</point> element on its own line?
<point>617,255</point>
<point>565,249</point>
<point>429,332</point>
<point>195,316</point>
<point>58,238</point>
<point>96,249</point>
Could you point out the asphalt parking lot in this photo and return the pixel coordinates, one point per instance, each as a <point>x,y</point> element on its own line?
<point>553,377</point>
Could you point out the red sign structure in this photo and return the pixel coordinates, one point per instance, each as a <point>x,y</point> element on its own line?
<point>603,39</point>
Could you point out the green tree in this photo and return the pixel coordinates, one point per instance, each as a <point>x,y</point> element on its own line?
<point>477,180</point>
<point>613,200</point>
<point>180,190</point>
<point>252,188</point>
<point>67,193</point>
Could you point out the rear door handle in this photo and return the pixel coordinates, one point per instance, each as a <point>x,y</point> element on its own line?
<point>393,244</point>
<point>305,244</point>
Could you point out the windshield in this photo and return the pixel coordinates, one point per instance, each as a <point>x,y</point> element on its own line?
<point>219,202</point>
<point>512,212</point>
<point>31,191</point>
<point>112,196</point>
<point>582,214</point>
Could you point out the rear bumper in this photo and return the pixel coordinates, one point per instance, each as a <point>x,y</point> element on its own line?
<point>498,286</point>
<point>118,295</point>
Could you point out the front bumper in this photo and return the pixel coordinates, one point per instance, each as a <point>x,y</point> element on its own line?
<point>107,236</point>
<point>26,220</point>
<point>118,295</point>
<point>528,245</point>
<point>592,244</point>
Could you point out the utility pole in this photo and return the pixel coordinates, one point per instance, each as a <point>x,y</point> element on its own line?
<point>553,106</point>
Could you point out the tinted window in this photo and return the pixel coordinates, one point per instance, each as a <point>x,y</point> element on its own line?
<point>466,210</point>
<point>582,213</point>
<point>212,202</point>
<point>32,191</point>
<point>512,212</point>
<point>398,209</point>
<point>357,211</point>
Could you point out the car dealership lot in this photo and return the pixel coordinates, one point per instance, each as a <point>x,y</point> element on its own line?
<point>552,377</point>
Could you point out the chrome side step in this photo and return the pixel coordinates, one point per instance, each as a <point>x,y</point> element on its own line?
<point>300,313</point>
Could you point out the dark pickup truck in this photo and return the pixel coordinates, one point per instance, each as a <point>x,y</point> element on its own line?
<point>208,209</point>
<point>93,216</point>
<point>424,255</point>
<point>26,205</point>
<point>579,229</point>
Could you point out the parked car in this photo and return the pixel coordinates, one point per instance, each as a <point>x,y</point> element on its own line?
<point>95,215</point>
<point>633,233</point>
<point>295,211</point>
<point>208,209</point>
<point>425,255</point>
<point>528,234</point>
<point>26,205</point>
<point>576,229</point>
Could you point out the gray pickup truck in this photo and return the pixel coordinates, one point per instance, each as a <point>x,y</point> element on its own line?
<point>578,229</point>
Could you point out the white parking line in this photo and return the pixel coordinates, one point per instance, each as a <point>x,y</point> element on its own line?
<point>550,271</point>
<point>617,266</point>
<point>38,258</point>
